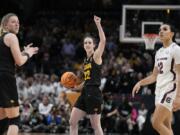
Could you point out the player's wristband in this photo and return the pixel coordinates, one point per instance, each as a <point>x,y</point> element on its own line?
<point>26,54</point>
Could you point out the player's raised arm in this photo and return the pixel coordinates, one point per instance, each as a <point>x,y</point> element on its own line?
<point>100,49</point>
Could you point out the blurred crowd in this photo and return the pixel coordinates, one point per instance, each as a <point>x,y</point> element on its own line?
<point>43,104</point>
<point>44,107</point>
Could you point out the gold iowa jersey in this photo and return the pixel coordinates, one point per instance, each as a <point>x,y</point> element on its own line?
<point>92,72</point>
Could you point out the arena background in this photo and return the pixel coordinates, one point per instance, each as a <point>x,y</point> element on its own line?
<point>57,27</point>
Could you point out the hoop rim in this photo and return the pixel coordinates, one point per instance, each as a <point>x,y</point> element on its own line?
<point>150,35</point>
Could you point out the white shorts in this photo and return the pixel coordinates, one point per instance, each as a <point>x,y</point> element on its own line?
<point>165,95</point>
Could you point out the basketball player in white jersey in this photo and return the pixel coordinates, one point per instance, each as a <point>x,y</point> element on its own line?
<point>166,74</point>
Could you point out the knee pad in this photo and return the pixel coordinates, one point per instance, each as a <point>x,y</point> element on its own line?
<point>4,123</point>
<point>14,121</point>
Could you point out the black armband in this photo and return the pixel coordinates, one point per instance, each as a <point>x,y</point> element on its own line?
<point>26,54</point>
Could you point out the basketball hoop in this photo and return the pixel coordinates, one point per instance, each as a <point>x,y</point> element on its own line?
<point>150,40</point>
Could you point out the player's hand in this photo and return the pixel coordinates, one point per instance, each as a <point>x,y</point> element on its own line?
<point>176,104</point>
<point>28,46</point>
<point>31,50</point>
<point>136,89</point>
<point>76,88</point>
<point>97,19</point>
<point>108,115</point>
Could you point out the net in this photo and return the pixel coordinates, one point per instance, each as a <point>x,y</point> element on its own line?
<point>150,40</point>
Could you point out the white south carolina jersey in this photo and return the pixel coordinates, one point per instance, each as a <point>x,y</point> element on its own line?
<point>165,60</point>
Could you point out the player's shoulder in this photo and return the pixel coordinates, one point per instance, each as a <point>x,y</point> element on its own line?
<point>159,50</point>
<point>175,47</point>
<point>10,36</point>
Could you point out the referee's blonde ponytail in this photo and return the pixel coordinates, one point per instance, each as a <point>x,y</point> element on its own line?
<point>4,21</point>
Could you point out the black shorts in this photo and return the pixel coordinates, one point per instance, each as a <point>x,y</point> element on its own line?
<point>90,100</point>
<point>8,91</point>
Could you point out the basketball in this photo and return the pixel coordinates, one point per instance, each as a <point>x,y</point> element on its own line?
<point>68,79</point>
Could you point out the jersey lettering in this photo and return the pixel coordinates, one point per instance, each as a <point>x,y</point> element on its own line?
<point>87,72</point>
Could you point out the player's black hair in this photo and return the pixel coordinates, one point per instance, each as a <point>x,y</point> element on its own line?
<point>173,29</point>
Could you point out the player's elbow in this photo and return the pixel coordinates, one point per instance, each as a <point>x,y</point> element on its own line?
<point>19,62</point>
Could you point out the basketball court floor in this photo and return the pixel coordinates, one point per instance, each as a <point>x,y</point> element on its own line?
<point>54,134</point>
<point>39,134</point>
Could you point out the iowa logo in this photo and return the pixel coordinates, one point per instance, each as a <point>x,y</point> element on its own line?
<point>168,100</point>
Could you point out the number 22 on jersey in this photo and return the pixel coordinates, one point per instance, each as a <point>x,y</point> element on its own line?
<point>160,67</point>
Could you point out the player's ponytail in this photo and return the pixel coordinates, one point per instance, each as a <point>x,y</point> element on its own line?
<point>174,39</point>
<point>1,31</point>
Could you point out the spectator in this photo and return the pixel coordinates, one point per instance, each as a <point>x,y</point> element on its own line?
<point>45,109</point>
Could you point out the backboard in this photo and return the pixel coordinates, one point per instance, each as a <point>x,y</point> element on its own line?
<point>138,20</point>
